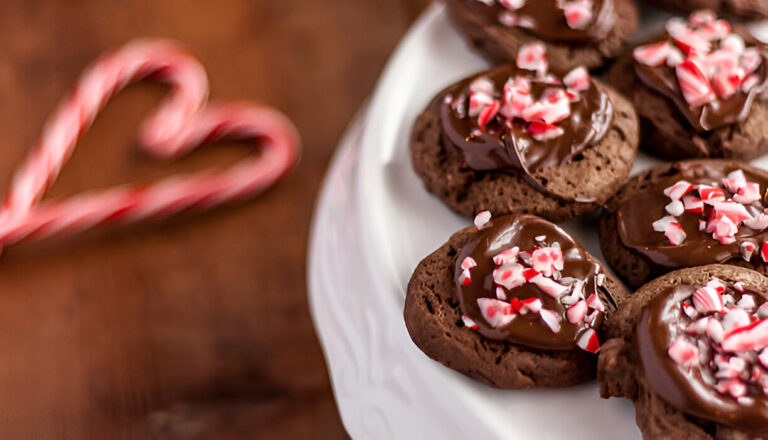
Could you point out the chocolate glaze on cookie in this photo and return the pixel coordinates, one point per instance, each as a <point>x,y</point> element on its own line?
<point>528,329</point>
<point>636,216</point>
<point>545,19</point>
<point>692,386</point>
<point>505,144</point>
<point>722,112</point>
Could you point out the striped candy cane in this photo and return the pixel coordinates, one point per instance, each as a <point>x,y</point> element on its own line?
<point>181,124</point>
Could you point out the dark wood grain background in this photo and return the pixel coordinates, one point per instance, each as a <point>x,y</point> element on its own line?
<point>196,327</point>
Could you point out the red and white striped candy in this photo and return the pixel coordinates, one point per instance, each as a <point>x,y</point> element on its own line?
<point>711,194</point>
<point>764,252</point>
<point>693,204</point>
<point>727,83</point>
<point>549,286</point>
<point>513,5</point>
<point>496,313</point>
<point>577,79</point>
<point>736,212</point>
<point>735,180</point>
<point>678,190</point>
<point>577,312</point>
<point>593,302</point>
<point>465,279</point>
<point>702,17</point>
<point>735,318</point>
<point>694,83</point>
<point>551,319</point>
<point>468,263</point>
<point>532,305</point>
<point>578,14</point>
<point>689,40</point>
<point>747,249</point>
<point>748,193</point>
<point>547,260</point>
<point>715,331</point>
<point>509,276</point>
<point>511,19</point>
<point>532,56</point>
<point>182,124</point>
<point>507,256</point>
<point>708,299</point>
<point>716,30</point>
<point>674,233</point>
<point>684,353</point>
<point>652,54</point>
<point>753,337</point>
<point>588,341</point>
<point>487,114</point>
<point>482,219</point>
<point>468,322</point>
<point>541,131</point>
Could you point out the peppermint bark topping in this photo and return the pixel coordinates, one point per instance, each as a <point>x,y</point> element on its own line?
<point>497,107</point>
<point>577,13</point>
<point>564,301</point>
<point>711,63</point>
<point>725,339</point>
<point>723,208</point>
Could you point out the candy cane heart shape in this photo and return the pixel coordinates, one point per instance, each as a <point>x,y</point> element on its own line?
<point>181,124</point>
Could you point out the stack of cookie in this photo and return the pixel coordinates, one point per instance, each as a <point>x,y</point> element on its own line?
<point>515,301</point>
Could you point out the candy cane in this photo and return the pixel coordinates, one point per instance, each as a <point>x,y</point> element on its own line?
<point>182,124</point>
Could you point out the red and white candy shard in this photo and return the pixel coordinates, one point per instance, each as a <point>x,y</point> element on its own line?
<point>578,14</point>
<point>710,61</point>
<point>551,319</point>
<point>577,79</point>
<point>588,341</point>
<point>512,4</point>
<point>728,214</point>
<point>506,256</point>
<point>577,312</point>
<point>509,276</point>
<point>482,219</point>
<point>541,131</point>
<point>547,260</point>
<point>728,344</point>
<point>468,322</point>
<point>549,286</point>
<point>496,313</point>
<point>533,57</point>
<point>684,353</point>
<point>708,299</point>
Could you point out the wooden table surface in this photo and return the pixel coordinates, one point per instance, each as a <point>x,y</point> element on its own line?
<point>195,327</point>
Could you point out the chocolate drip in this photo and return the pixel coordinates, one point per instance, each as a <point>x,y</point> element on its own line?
<point>507,145</point>
<point>636,216</point>
<point>548,20</point>
<point>685,387</point>
<point>528,330</point>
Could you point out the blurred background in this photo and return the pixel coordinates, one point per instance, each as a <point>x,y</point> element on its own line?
<point>194,327</point>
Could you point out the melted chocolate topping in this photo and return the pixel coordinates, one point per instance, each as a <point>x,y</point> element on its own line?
<point>636,216</point>
<point>506,144</point>
<point>548,21</point>
<point>529,329</point>
<point>719,113</point>
<point>691,389</point>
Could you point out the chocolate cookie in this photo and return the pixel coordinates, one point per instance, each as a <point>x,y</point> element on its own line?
<point>686,214</point>
<point>748,9</point>
<point>689,349</point>
<point>517,139</point>
<point>516,304</point>
<point>711,104</point>
<point>584,33</point>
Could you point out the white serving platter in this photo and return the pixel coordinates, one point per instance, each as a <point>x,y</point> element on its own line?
<point>373,223</point>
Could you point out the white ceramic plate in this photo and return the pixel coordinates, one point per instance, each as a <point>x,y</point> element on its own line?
<point>373,224</point>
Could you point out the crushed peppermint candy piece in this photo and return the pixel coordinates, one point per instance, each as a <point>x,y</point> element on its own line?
<point>684,353</point>
<point>482,219</point>
<point>468,322</point>
<point>588,341</point>
<point>497,313</point>
<point>533,57</point>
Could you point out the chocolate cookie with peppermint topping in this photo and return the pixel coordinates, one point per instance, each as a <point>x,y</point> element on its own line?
<point>748,9</point>
<point>701,90</point>
<point>524,139</point>
<point>687,214</point>
<point>691,350</point>
<point>513,302</point>
<point>576,32</point>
